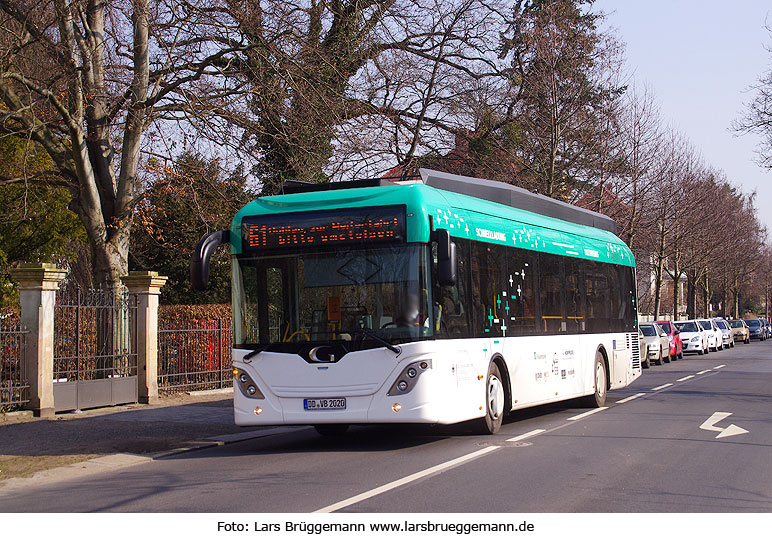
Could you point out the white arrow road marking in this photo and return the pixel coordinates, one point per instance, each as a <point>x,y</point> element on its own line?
<point>710,425</point>
<point>663,386</point>
<point>626,399</point>
<point>526,435</point>
<point>685,378</point>
<point>731,431</point>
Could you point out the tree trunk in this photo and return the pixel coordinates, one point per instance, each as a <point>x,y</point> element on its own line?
<point>706,290</point>
<point>658,287</point>
<point>676,282</point>
<point>691,295</point>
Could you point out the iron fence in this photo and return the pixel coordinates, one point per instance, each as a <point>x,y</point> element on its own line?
<point>193,349</point>
<point>14,384</point>
<point>95,348</point>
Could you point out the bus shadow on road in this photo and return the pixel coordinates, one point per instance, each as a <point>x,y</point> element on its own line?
<point>370,438</point>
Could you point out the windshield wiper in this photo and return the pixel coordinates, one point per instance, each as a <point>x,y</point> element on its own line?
<point>258,350</point>
<point>373,335</point>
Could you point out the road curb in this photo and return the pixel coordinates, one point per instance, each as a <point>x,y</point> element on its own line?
<point>18,414</point>
<point>219,391</point>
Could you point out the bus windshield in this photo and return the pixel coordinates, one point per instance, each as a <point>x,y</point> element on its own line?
<point>359,297</point>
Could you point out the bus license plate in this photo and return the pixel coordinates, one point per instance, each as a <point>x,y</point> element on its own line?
<point>325,403</point>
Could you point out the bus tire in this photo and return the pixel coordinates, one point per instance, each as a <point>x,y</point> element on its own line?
<point>598,399</point>
<point>331,429</point>
<point>495,398</point>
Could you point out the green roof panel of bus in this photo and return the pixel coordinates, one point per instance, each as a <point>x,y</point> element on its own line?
<point>463,216</point>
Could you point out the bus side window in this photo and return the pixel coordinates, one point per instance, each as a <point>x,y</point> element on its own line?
<point>627,279</point>
<point>522,302</point>
<point>454,300</point>
<point>551,283</point>
<point>576,320</point>
<point>488,289</point>
<point>597,298</point>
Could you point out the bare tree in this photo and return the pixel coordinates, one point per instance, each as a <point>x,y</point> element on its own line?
<point>84,79</point>
<point>758,116</point>
<point>339,88</point>
<point>672,192</point>
<point>567,76</point>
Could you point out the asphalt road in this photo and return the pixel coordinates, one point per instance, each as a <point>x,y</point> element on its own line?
<point>644,452</point>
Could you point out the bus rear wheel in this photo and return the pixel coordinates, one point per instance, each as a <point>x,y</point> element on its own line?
<point>598,399</point>
<point>331,429</point>
<point>495,398</point>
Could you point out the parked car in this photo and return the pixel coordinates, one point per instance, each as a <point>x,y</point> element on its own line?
<point>673,336</point>
<point>693,336</point>
<point>756,329</point>
<point>657,344</point>
<point>645,362</point>
<point>767,328</point>
<point>740,331</point>
<point>726,332</point>
<point>715,338</point>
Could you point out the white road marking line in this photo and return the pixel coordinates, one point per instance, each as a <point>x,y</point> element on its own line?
<point>585,414</point>
<point>407,479</point>
<point>706,371</point>
<point>685,378</point>
<point>626,399</point>
<point>720,366</point>
<point>526,435</point>
<point>663,386</point>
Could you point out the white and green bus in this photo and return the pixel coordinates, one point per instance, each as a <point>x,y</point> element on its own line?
<point>440,300</point>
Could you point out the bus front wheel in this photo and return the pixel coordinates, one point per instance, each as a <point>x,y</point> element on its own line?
<point>495,398</point>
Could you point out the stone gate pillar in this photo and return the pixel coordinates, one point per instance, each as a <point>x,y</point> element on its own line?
<point>147,286</point>
<point>38,283</point>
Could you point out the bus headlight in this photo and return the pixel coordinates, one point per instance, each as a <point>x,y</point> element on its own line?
<point>247,386</point>
<point>409,376</point>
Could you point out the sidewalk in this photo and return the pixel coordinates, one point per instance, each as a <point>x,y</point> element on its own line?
<point>29,445</point>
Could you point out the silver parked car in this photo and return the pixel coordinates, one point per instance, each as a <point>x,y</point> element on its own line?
<point>726,332</point>
<point>657,343</point>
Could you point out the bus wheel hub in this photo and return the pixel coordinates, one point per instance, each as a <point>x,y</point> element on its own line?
<point>495,397</point>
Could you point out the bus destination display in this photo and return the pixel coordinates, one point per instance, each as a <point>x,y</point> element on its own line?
<point>323,228</point>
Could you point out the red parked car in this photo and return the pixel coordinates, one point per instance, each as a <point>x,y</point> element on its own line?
<point>676,345</point>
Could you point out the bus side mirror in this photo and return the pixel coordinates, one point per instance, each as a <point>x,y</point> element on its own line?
<point>447,269</point>
<point>202,253</point>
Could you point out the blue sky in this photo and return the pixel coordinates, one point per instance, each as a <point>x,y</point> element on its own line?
<point>700,58</point>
